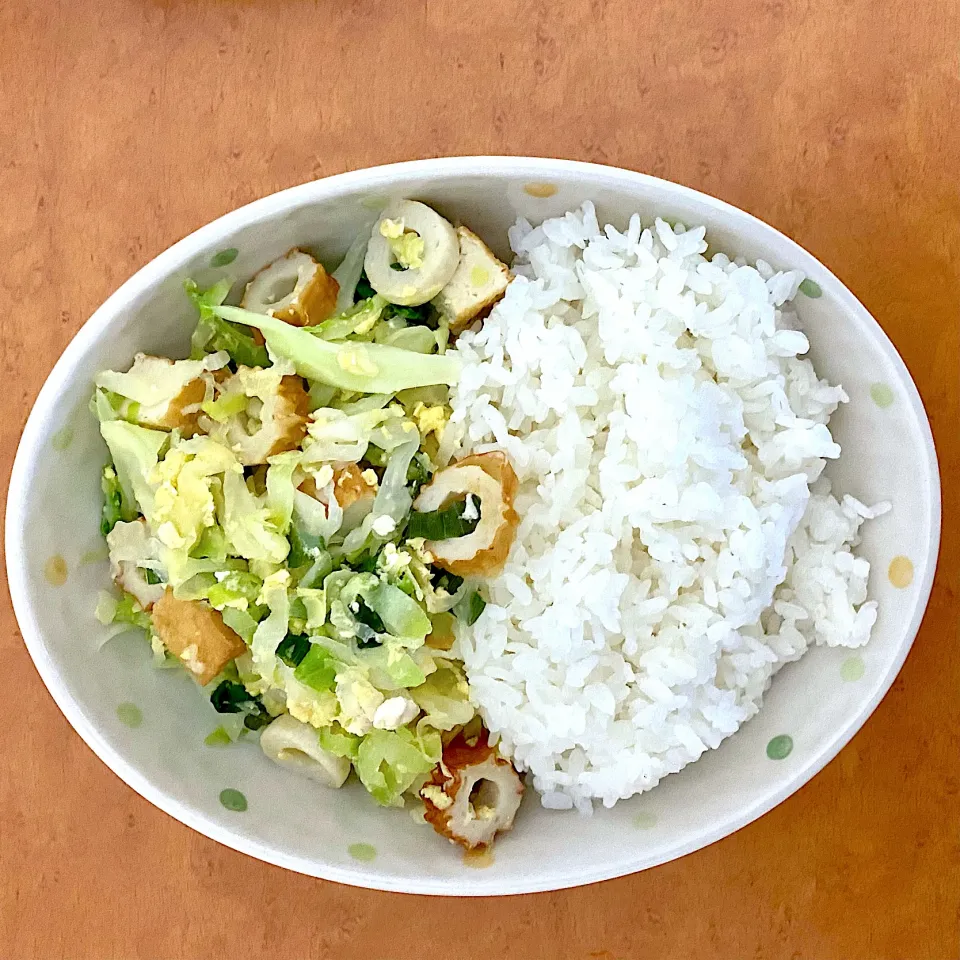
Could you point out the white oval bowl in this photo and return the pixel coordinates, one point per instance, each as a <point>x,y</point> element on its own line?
<point>54,504</point>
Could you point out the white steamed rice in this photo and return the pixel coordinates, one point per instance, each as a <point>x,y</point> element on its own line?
<point>677,542</point>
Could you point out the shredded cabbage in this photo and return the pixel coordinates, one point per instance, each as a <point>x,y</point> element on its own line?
<point>444,698</point>
<point>281,488</point>
<point>151,382</point>
<point>273,628</point>
<point>389,761</point>
<point>393,499</point>
<point>318,669</point>
<point>315,605</point>
<point>214,334</point>
<point>358,699</point>
<point>135,452</point>
<point>402,615</point>
<point>363,367</point>
<point>184,504</point>
<point>341,437</point>
<point>241,623</point>
<point>336,740</point>
<point>234,588</point>
<point>417,339</point>
<point>247,523</point>
<point>359,321</point>
<point>317,519</point>
<point>391,668</point>
<point>350,270</point>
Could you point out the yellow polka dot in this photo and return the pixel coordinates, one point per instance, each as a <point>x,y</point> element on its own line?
<point>55,570</point>
<point>541,190</point>
<point>900,572</point>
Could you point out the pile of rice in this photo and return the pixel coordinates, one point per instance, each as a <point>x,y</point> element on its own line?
<point>677,542</point>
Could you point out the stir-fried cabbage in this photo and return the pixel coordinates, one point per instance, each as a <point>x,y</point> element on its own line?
<point>362,367</point>
<point>350,270</point>
<point>135,452</point>
<point>444,697</point>
<point>248,525</point>
<point>389,761</point>
<point>305,554</point>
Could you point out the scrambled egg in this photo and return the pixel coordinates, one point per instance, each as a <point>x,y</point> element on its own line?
<point>359,700</point>
<point>183,503</point>
<point>317,709</point>
<point>393,562</point>
<point>436,796</point>
<point>406,245</point>
<point>431,419</point>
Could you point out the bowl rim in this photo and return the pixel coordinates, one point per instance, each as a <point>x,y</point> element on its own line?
<point>31,443</point>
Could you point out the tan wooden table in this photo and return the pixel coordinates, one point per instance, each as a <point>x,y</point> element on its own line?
<point>125,124</point>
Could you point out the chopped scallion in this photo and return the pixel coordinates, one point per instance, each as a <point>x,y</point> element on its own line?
<point>445,524</point>
<point>469,608</point>
<point>293,648</point>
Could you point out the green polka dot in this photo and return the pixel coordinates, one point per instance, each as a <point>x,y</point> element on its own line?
<point>130,715</point>
<point>810,289</point>
<point>233,800</point>
<point>779,747</point>
<point>224,257</point>
<point>852,669</point>
<point>645,821</point>
<point>62,439</point>
<point>881,395</point>
<point>362,852</point>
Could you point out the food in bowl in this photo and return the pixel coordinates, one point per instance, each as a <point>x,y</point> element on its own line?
<point>436,522</point>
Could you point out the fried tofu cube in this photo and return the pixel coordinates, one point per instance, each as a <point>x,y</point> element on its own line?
<point>273,419</point>
<point>479,282</point>
<point>351,485</point>
<point>295,289</point>
<point>354,490</point>
<point>196,633</point>
<point>162,394</point>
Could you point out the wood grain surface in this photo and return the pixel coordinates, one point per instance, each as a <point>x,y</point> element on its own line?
<point>125,124</point>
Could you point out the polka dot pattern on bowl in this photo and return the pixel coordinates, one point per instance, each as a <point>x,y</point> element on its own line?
<point>780,747</point>
<point>881,395</point>
<point>900,572</point>
<point>233,800</point>
<point>852,669</point>
<point>130,715</point>
<point>542,191</point>
<point>224,257</point>
<point>363,852</point>
<point>62,439</point>
<point>55,571</point>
